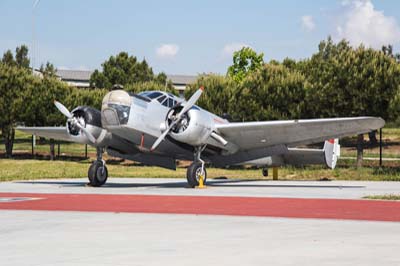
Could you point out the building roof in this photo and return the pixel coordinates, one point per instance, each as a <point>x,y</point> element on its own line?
<point>182,79</point>
<point>84,76</point>
<point>81,75</point>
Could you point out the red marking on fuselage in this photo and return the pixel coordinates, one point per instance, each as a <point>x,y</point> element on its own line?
<point>142,140</point>
<point>215,205</point>
<point>219,121</point>
<point>332,141</point>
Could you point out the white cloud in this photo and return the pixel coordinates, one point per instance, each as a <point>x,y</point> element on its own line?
<point>362,23</point>
<point>230,48</point>
<point>307,23</point>
<point>167,50</point>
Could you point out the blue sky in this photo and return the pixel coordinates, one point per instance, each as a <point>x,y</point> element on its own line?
<point>190,37</point>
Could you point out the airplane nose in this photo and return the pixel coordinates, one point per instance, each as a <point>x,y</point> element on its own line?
<point>115,108</point>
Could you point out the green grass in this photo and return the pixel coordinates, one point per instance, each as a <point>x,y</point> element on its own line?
<point>383,197</point>
<point>28,169</point>
<point>13,169</point>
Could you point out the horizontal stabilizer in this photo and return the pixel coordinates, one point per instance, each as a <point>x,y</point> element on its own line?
<point>299,156</point>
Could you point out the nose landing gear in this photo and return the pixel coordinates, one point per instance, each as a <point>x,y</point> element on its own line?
<point>98,172</point>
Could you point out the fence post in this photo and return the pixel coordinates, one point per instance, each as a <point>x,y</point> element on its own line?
<point>380,147</point>
<point>33,145</point>
<point>360,147</point>
<point>52,152</point>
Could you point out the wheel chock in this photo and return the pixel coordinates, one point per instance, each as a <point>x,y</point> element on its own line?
<point>201,182</point>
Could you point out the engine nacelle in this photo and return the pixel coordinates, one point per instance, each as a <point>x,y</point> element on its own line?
<point>195,126</point>
<point>90,118</point>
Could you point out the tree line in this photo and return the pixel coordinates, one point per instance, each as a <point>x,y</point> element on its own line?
<point>337,81</point>
<point>28,99</point>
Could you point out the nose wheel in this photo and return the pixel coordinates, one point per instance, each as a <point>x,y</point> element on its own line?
<point>98,172</point>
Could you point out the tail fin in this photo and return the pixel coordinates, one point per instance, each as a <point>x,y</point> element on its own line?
<point>332,152</point>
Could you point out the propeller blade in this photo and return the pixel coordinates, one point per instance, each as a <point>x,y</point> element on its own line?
<point>63,109</point>
<point>86,132</point>
<point>163,135</point>
<point>189,104</point>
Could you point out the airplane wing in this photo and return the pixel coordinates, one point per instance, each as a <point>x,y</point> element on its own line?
<point>59,133</point>
<point>253,135</point>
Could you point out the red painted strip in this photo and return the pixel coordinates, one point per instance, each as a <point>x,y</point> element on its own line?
<point>241,206</point>
<point>142,141</point>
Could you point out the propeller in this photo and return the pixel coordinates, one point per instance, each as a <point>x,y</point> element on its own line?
<point>189,104</point>
<point>63,109</point>
<point>74,121</point>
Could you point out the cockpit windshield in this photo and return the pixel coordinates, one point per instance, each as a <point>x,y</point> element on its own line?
<point>151,94</point>
<point>166,99</point>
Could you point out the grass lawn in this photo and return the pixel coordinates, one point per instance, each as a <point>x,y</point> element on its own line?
<point>37,169</point>
<point>26,168</point>
<point>383,197</point>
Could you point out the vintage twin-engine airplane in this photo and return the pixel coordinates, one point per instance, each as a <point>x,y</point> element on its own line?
<point>157,128</point>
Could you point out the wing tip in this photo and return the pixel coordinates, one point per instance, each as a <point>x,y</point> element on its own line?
<point>378,123</point>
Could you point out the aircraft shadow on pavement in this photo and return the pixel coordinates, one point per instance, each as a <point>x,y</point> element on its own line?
<point>183,184</point>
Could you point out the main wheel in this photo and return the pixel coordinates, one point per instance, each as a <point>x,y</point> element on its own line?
<point>97,174</point>
<point>265,171</point>
<point>193,174</point>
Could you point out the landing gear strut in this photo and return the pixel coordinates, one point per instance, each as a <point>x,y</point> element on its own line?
<point>98,172</point>
<point>197,169</point>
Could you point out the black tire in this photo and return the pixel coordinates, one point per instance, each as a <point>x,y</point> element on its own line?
<point>97,174</point>
<point>265,172</point>
<point>192,174</point>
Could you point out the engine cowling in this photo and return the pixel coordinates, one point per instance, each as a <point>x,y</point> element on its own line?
<point>90,118</point>
<point>194,128</point>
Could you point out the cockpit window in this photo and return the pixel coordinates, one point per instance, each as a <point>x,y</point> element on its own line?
<point>161,99</point>
<point>166,99</point>
<point>170,102</point>
<point>165,103</point>
<point>154,95</point>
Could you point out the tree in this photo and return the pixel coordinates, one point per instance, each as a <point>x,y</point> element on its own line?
<point>216,95</point>
<point>8,58</point>
<point>273,92</point>
<point>21,56</point>
<point>123,69</point>
<point>245,61</point>
<point>14,82</point>
<point>48,70</point>
<point>346,81</point>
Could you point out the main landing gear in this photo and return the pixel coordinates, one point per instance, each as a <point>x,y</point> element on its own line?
<point>98,172</point>
<point>196,170</point>
<point>264,171</point>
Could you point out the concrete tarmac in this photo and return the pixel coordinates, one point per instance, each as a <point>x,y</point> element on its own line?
<point>107,238</point>
<point>228,187</point>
